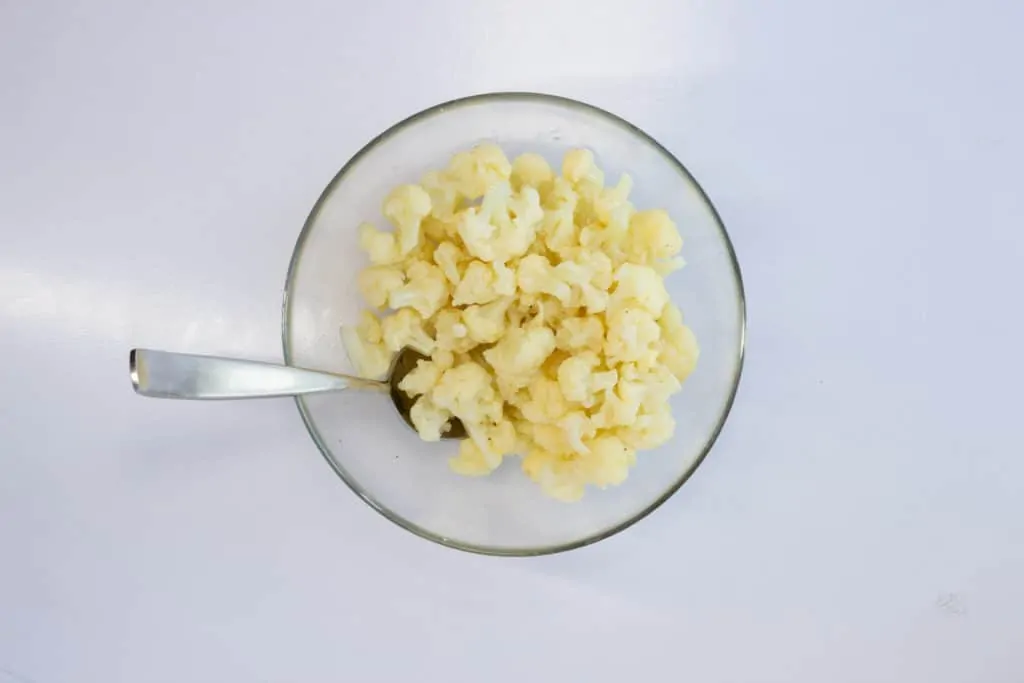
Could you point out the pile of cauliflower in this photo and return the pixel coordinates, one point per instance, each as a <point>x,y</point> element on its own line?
<point>540,302</point>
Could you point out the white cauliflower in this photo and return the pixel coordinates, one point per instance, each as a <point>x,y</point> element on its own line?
<point>559,475</point>
<point>496,438</point>
<point>485,324</point>
<point>430,421</point>
<point>472,461</point>
<point>405,207</point>
<point>540,302</point>
<point>642,286</point>
<point>468,392</point>
<point>474,172</point>
<point>365,349</point>
<point>426,289</point>
<point>405,328</point>
<point>633,335</point>
<point>679,351</point>
<point>609,461</point>
<point>518,356</point>
<point>451,333</point>
<point>581,334</point>
<point>546,403</point>
<point>444,197</point>
<point>652,237</point>
<point>377,282</point>
<point>535,275</point>
<point>478,285</point>
<point>577,427</point>
<point>450,259</point>
<point>422,378</point>
<point>649,430</point>
<point>580,383</point>
<point>530,170</point>
<point>381,247</point>
<point>578,168</point>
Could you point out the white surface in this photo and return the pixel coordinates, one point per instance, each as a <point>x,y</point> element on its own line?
<point>862,518</point>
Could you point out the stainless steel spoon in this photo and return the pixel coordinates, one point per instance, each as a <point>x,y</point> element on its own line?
<point>163,374</point>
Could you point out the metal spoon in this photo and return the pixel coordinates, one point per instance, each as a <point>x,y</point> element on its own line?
<point>163,374</point>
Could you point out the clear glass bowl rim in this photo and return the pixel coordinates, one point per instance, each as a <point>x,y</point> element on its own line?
<point>440,109</point>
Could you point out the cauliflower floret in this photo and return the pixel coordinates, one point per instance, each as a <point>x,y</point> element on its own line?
<point>614,199</point>
<point>652,237</point>
<point>679,351</point>
<point>474,172</point>
<point>478,285</point>
<point>585,293</point>
<point>530,169</point>
<point>578,168</point>
<point>451,333</point>
<point>405,207</point>
<point>430,421</point>
<point>632,336</point>
<point>576,426</point>
<point>426,289</point>
<point>545,403</point>
<point>496,438</point>
<point>559,475</point>
<point>545,437</point>
<point>473,462</point>
<point>504,226</point>
<point>365,350</point>
<point>559,225</point>
<point>381,247</point>
<point>405,328</point>
<point>579,382</point>
<point>504,279</point>
<point>444,198</point>
<point>422,378</point>
<point>640,285</point>
<point>485,324</point>
<point>377,282</point>
<point>609,461</point>
<point>468,392</point>
<point>368,328</point>
<point>579,334</point>
<point>478,226</point>
<point>621,405</point>
<point>518,356</point>
<point>659,385</point>
<point>535,275</point>
<point>650,430</point>
<point>443,358</point>
<point>666,267</point>
<point>518,235</point>
<point>450,259</point>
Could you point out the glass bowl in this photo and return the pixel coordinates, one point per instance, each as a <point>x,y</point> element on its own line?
<point>407,480</point>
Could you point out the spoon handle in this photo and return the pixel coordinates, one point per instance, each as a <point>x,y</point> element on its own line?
<point>162,374</point>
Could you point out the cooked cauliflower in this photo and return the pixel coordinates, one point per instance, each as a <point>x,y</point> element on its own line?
<point>364,346</point>
<point>377,282</point>
<point>539,300</point>
<point>406,207</point>
<point>467,390</point>
<point>405,328</point>
<point>430,420</point>
<point>530,170</point>
<point>536,275</point>
<point>426,289</point>
<point>477,285</point>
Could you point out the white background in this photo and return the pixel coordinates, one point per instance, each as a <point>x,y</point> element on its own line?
<point>861,519</point>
